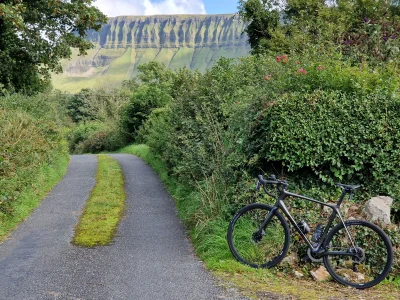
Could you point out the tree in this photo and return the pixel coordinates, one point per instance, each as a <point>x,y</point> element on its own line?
<point>263,18</point>
<point>36,34</point>
<point>362,30</point>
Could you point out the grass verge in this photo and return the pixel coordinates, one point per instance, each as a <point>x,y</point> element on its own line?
<point>105,206</point>
<point>31,197</point>
<point>209,240</point>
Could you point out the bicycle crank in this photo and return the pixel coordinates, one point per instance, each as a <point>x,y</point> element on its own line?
<point>312,256</point>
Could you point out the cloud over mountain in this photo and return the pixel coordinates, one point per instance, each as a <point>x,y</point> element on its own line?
<point>114,8</point>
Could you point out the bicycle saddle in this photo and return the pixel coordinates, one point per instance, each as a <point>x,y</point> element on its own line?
<point>348,187</point>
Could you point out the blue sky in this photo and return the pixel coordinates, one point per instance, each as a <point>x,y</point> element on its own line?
<point>220,6</point>
<point>113,8</point>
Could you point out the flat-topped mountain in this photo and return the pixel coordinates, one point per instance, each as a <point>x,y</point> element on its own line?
<point>192,41</point>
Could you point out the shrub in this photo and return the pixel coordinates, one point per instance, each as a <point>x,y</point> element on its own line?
<point>154,132</point>
<point>143,101</point>
<point>94,137</point>
<point>82,132</point>
<point>26,144</point>
<point>41,106</point>
<point>337,136</point>
<point>101,105</point>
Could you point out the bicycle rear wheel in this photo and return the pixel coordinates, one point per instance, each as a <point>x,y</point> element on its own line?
<point>373,254</point>
<point>255,246</point>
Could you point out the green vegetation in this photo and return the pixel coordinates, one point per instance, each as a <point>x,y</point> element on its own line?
<point>216,131</point>
<point>210,243</point>
<point>104,208</point>
<point>361,30</point>
<point>35,35</point>
<point>122,45</point>
<point>96,118</point>
<point>47,176</point>
<point>33,154</point>
<point>317,103</point>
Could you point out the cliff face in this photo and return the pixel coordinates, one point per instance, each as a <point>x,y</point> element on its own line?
<point>171,32</point>
<point>193,41</point>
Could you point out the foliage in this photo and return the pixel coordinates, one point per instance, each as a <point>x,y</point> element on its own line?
<point>339,136</point>
<point>94,137</point>
<point>78,107</point>
<point>151,89</point>
<point>46,177</point>
<point>101,105</point>
<point>364,31</point>
<point>27,144</point>
<point>48,106</point>
<point>35,35</point>
<point>253,115</point>
<point>82,132</point>
<point>263,17</point>
<point>144,100</point>
<point>96,117</point>
<point>154,129</point>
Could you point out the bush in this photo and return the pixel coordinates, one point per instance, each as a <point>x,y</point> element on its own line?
<point>94,137</point>
<point>26,144</point>
<point>313,120</point>
<point>143,101</point>
<point>97,105</point>
<point>154,132</point>
<point>82,132</point>
<point>41,106</point>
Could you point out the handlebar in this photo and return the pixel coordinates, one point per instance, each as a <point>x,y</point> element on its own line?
<point>281,184</point>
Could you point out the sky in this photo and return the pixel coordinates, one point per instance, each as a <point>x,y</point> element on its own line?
<point>113,8</point>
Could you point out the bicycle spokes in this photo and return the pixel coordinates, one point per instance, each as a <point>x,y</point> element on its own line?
<point>362,265</point>
<point>254,245</point>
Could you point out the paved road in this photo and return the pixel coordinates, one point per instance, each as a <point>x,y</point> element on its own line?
<point>151,258</point>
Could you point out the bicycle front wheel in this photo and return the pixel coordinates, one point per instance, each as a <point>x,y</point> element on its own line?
<point>255,246</point>
<point>362,263</point>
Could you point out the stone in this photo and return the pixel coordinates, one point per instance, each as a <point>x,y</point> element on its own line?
<point>298,274</point>
<point>321,274</point>
<point>360,277</point>
<point>378,209</point>
<point>290,259</point>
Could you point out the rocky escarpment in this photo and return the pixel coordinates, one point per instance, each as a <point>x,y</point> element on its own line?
<point>171,32</point>
<point>192,41</point>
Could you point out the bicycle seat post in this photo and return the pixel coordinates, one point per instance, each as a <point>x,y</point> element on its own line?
<point>344,192</point>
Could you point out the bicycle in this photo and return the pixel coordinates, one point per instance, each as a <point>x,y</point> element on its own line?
<point>356,253</point>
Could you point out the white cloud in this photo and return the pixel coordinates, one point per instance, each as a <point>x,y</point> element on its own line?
<point>113,8</point>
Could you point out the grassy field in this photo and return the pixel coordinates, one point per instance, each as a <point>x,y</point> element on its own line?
<point>124,63</point>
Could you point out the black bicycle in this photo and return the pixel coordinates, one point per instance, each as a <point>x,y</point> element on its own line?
<point>356,253</point>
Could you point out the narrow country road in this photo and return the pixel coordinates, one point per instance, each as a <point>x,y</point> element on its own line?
<point>151,258</point>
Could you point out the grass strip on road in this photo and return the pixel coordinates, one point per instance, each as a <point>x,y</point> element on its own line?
<point>105,206</point>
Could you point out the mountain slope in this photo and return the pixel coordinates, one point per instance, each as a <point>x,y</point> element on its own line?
<point>192,41</point>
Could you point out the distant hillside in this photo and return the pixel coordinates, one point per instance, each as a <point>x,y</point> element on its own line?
<point>193,41</point>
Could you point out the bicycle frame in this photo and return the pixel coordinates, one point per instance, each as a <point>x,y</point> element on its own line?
<point>335,212</point>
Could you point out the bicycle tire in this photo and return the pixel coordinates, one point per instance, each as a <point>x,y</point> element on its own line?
<point>251,248</point>
<point>374,254</point>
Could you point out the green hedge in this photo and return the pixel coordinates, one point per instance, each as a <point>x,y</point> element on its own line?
<point>314,119</point>
<point>338,136</point>
<point>26,145</point>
